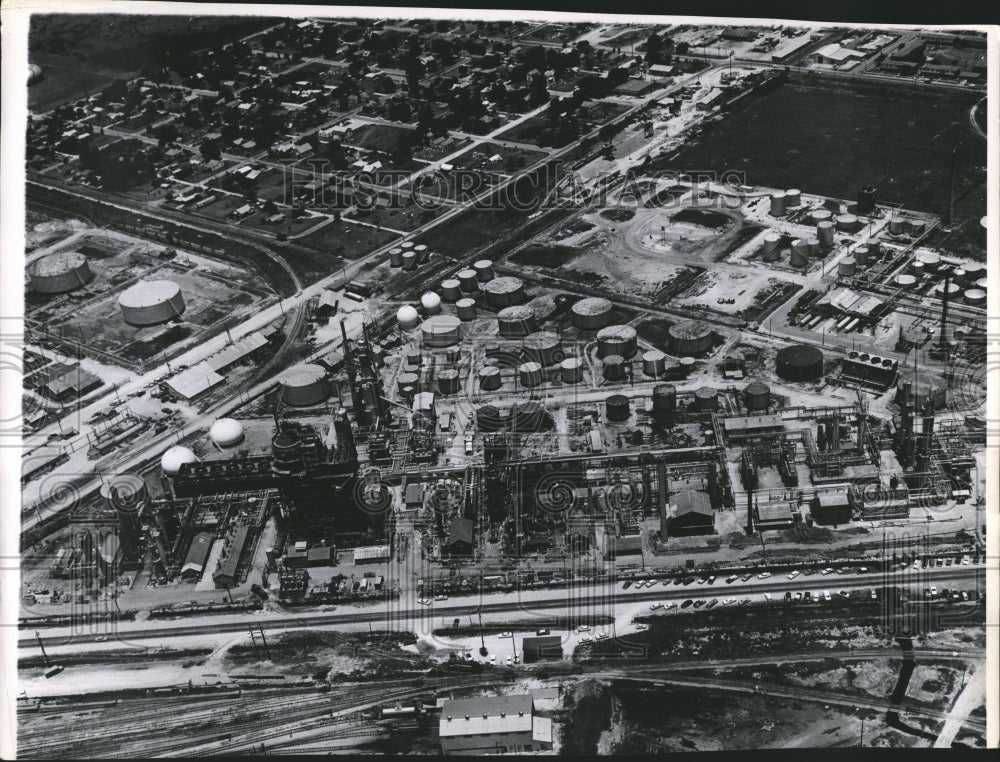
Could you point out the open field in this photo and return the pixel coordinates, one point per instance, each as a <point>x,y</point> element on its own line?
<point>832,141</point>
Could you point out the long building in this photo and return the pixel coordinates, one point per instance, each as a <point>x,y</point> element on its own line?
<point>493,725</point>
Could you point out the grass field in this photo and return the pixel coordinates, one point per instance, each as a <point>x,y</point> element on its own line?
<point>63,83</point>
<point>833,141</point>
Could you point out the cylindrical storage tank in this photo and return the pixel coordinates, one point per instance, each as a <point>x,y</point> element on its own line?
<point>451,290</point>
<point>484,270</point>
<point>488,418</point>
<point>529,374</point>
<point>431,303</point>
<point>705,399</point>
<point>304,385</point>
<point>465,309</point>
<point>614,368</point>
<point>396,257</point>
<point>516,322</point>
<point>454,355</point>
<point>591,313</point>
<point>226,432</point>
<point>874,247</point>
<point>543,347</point>
<point>820,215</point>
<point>848,223</point>
<point>778,201</point>
<point>654,363</point>
<point>846,268</point>
<point>917,227</point>
<point>975,271</point>
<point>125,493</point>
<point>689,339</point>
<point>441,331</point>
<point>422,252</point>
<point>407,392</point>
<point>467,281</point>
<point>617,340</point>
<point>771,241</point>
<point>413,356</point>
<point>975,297</point>
<point>59,273</point>
<point>960,276</point>
<point>504,292</point>
<point>800,246</point>
<point>409,259</point>
<point>931,260</point>
<point>150,302</point>
<point>824,232</point>
<point>861,256</point>
<point>981,283</point>
<point>953,290</point>
<point>757,396</point>
<point>798,259</point>
<point>448,381</point>
<point>897,226</point>
<point>176,457</point>
<point>404,380</point>
<point>799,362</point>
<point>686,365</point>
<point>664,398</point>
<point>489,378</point>
<point>406,245</point>
<point>793,197</point>
<point>866,200</point>
<point>572,370</point>
<point>617,408</point>
<point>905,281</point>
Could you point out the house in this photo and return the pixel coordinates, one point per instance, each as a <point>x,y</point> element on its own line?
<point>493,725</point>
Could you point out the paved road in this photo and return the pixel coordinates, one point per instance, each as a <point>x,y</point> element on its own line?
<point>402,614</point>
<point>973,695</point>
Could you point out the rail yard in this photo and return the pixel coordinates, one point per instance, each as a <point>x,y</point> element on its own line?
<point>543,420</point>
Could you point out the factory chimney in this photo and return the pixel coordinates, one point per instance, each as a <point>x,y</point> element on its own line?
<point>749,513</point>
<point>943,339</point>
<point>661,488</point>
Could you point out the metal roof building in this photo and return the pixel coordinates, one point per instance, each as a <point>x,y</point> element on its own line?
<point>227,575</point>
<point>236,351</point>
<point>493,724</point>
<point>197,555</point>
<point>194,381</point>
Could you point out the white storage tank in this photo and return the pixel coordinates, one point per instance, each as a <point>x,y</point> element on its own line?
<point>572,370</point>
<point>489,378</point>
<point>176,457</point>
<point>778,201</point>
<point>396,257</point>
<point>441,331</point>
<point>654,362</point>
<point>848,223</point>
<point>771,241</point>
<point>431,303</point>
<point>226,432</point>
<point>151,302</point>
<point>407,317</point>
<point>451,290</point>
<point>793,197</point>
<point>975,297</point>
<point>484,270</point>
<point>824,232</point>
<point>530,374</point>
<point>409,259</point>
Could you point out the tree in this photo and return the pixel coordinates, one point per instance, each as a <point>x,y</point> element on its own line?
<point>210,150</point>
<point>654,49</point>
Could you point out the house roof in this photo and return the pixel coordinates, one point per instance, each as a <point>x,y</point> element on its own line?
<point>461,531</point>
<point>197,554</point>
<point>486,715</point>
<point>232,560</point>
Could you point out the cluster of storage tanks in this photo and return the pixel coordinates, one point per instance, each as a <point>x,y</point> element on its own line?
<point>967,282</point>
<point>408,255</point>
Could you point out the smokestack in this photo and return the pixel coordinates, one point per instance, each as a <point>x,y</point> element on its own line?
<point>834,443</point>
<point>749,513</point>
<point>943,340</point>
<point>861,430</point>
<point>661,487</point>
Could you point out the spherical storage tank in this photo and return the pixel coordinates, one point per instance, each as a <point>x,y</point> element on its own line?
<point>689,339</point>
<point>617,408</point>
<point>59,273</point>
<point>757,396</point>
<point>441,331</point>
<point>617,340</point>
<point>591,313</point>
<point>407,317</point>
<point>35,74</point>
<point>226,432</point>
<point>304,385</point>
<point>150,302</point>
<point>505,291</point>
<point>431,303</point>
<point>176,457</point>
<point>799,362</point>
<point>516,322</point>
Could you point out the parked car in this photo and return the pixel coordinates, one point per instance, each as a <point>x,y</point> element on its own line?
<point>793,574</point>
<point>712,603</point>
<point>764,575</point>
<point>732,579</point>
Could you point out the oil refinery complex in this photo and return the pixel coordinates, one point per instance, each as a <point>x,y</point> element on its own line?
<point>650,376</point>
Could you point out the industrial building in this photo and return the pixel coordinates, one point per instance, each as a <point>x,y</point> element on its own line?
<point>541,648</point>
<point>493,725</point>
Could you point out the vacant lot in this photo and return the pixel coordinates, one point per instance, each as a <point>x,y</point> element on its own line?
<point>833,141</point>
